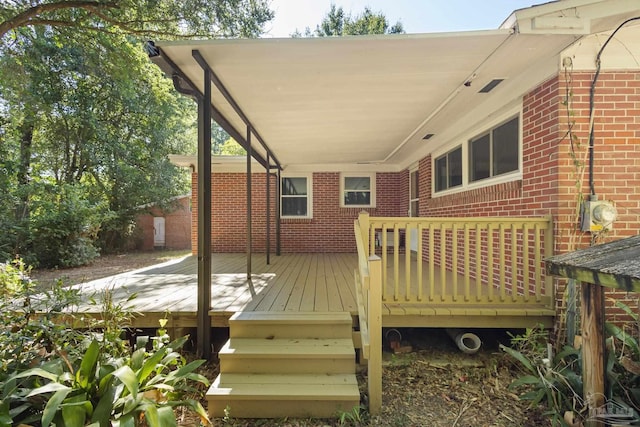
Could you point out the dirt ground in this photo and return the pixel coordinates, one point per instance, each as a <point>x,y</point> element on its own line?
<point>432,385</point>
<point>105,266</point>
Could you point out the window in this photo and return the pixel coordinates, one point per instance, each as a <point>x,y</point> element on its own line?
<point>414,193</point>
<point>296,197</point>
<point>358,190</point>
<point>496,152</point>
<point>448,170</point>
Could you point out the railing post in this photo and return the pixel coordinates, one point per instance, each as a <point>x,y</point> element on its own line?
<point>375,334</point>
<point>363,220</point>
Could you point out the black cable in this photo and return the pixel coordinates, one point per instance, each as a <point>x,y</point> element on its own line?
<point>592,92</point>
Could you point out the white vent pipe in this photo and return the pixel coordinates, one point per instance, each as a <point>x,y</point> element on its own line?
<point>467,342</point>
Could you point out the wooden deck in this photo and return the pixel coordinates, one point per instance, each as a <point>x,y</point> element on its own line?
<point>291,283</point>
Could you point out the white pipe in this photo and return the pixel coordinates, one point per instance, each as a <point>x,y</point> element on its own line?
<point>467,342</point>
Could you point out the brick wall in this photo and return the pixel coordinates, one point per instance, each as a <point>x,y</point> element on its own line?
<point>616,162</point>
<point>330,229</point>
<point>177,226</point>
<point>550,180</point>
<point>536,193</point>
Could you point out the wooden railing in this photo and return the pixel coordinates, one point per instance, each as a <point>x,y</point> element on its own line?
<point>445,261</point>
<point>461,260</point>
<point>368,284</point>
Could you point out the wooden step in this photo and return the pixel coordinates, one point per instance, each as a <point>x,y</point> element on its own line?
<point>288,355</point>
<point>279,396</point>
<point>260,324</point>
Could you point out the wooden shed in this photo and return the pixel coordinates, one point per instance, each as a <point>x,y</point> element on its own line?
<point>610,265</point>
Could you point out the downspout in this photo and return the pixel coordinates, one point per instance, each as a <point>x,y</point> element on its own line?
<point>268,213</point>
<point>278,212</point>
<point>249,243</point>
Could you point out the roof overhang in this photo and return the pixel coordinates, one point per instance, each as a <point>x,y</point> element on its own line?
<point>368,101</point>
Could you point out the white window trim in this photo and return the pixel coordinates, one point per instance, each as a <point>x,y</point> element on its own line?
<point>433,168</point>
<point>309,178</point>
<point>372,181</point>
<point>474,133</point>
<point>413,169</point>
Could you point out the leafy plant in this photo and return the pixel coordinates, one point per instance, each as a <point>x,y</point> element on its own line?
<point>33,327</point>
<point>53,374</point>
<point>557,381</point>
<point>124,391</point>
<point>351,418</point>
<point>623,367</point>
<point>63,227</point>
<point>553,381</point>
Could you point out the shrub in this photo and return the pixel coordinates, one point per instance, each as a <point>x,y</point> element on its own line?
<point>52,373</point>
<point>556,381</point>
<point>546,379</point>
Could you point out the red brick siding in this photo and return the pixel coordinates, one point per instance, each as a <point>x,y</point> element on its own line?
<point>548,184</point>
<point>177,227</point>
<point>330,229</point>
<point>616,162</point>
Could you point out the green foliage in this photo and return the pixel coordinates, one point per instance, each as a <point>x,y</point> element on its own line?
<point>557,381</point>
<point>56,375</point>
<point>14,279</point>
<point>623,364</point>
<point>222,18</point>
<point>354,418</point>
<point>232,148</point>
<point>81,106</point>
<point>552,381</point>
<point>32,332</point>
<point>337,23</point>
<point>63,228</point>
<point>100,389</point>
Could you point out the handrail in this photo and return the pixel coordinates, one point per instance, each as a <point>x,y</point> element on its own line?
<point>368,293</point>
<point>463,260</point>
<point>447,261</point>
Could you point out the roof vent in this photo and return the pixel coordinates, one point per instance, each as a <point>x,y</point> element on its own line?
<point>428,136</point>
<point>492,84</point>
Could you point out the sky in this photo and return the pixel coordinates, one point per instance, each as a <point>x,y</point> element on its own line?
<point>417,16</point>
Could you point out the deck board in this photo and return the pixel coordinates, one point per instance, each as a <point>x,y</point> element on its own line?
<point>290,283</point>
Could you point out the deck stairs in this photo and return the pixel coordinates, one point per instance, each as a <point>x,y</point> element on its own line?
<point>286,364</point>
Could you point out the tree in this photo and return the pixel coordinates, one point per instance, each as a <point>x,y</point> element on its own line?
<point>337,23</point>
<point>232,148</point>
<point>146,18</point>
<point>87,122</point>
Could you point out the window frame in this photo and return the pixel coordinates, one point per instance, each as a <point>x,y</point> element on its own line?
<point>414,190</point>
<point>372,188</point>
<point>512,112</point>
<point>446,155</point>
<point>309,195</point>
<point>490,133</point>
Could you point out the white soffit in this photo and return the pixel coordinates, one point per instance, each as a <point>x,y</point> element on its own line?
<point>334,102</point>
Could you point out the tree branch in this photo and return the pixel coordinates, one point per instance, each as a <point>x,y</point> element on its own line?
<point>26,17</point>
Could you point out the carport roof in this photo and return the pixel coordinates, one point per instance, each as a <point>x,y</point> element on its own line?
<point>361,102</point>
